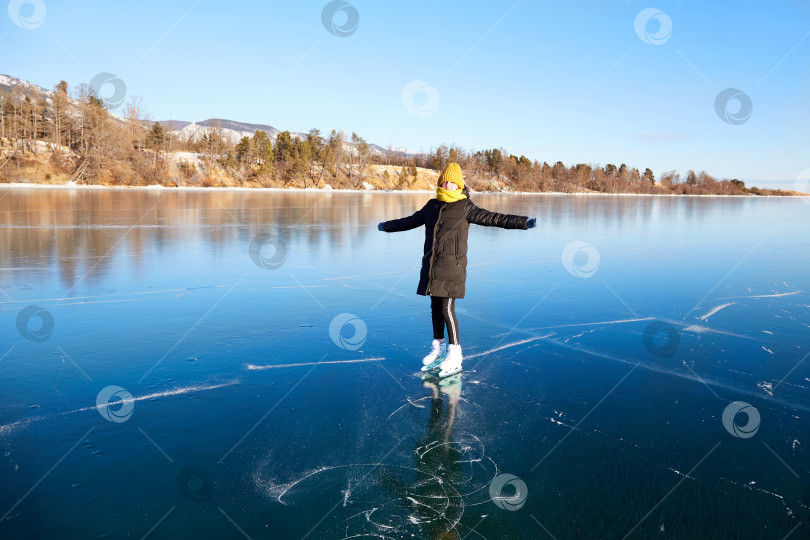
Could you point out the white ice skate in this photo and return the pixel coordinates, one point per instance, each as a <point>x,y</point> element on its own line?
<point>452,363</point>
<point>437,354</point>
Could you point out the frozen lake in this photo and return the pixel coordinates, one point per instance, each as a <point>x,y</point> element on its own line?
<point>233,364</point>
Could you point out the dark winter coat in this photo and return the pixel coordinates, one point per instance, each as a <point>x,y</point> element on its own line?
<point>444,263</point>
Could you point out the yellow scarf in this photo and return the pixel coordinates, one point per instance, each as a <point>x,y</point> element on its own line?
<point>447,196</point>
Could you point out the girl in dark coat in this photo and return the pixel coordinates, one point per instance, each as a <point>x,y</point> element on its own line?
<point>447,221</point>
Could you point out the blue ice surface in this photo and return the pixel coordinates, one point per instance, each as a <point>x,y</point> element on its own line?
<point>263,350</point>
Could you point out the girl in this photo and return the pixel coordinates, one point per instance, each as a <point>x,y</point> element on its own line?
<point>447,220</point>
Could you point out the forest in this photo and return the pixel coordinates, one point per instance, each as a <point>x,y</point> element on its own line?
<point>70,135</point>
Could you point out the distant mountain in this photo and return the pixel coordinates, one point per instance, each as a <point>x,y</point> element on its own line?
<point>9,84</point>
<point>231,130</point>
<point>234,131</point>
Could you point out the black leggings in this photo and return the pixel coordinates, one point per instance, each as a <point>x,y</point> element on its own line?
<point>443,312</point>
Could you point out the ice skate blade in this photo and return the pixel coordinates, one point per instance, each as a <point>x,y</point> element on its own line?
<point>433,365</point>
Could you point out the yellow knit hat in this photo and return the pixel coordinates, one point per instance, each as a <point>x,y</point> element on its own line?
<point>452,173</point>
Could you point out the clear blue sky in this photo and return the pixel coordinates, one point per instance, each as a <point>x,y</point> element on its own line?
<point>569,81</point>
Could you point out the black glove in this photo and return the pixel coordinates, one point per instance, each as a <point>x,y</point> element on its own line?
<point>380,227</point>
<point>532,223</point>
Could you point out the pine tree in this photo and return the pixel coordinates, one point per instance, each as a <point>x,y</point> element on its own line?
<point>316,147</point>
<point>155,140</point>
<point>302,157</point>
<point>494,159</point>
<point>327,161</point>
<point>263,150</point>
<point>243,150</point>
<point>283,153</point>
<point>156,136</point>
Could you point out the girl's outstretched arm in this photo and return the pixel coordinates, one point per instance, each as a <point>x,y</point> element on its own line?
<point>481,216</point>
<point>404,224</point>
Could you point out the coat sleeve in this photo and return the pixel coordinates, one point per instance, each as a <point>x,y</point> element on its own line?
<point>481,216</point>
<point>405,224</point>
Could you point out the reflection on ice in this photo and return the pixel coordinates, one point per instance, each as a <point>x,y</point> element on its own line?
<point>449,473</point>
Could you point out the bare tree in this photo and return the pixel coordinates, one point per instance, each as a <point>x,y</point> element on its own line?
<point>360,147</point>
<point>336,141</point>
<point>60,103</point>
<point>135,117</point>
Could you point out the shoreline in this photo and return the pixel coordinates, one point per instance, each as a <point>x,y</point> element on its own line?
<point>24,185</point>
